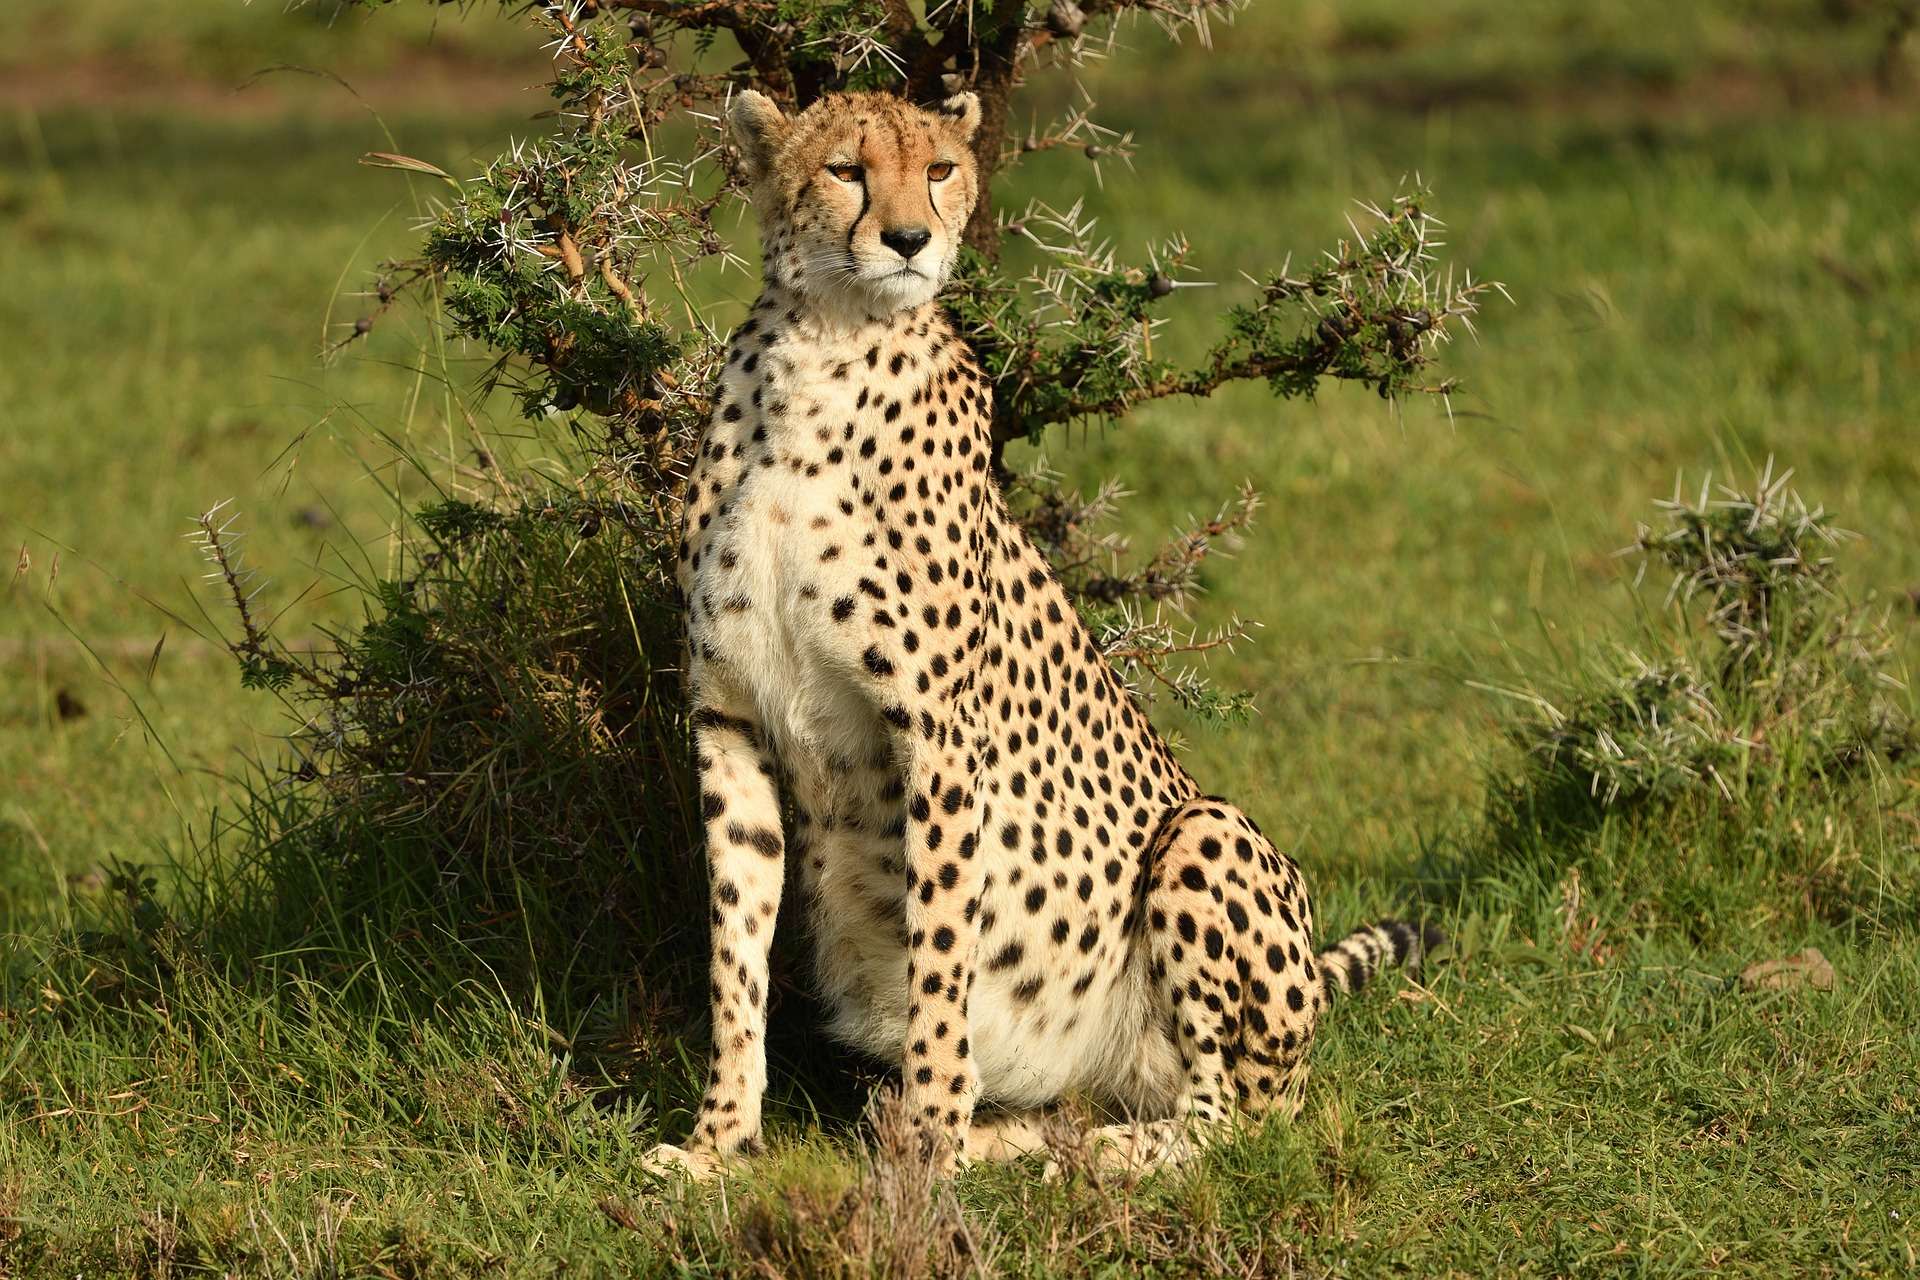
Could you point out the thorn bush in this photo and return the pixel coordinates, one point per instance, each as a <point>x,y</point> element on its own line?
<point>1758,676</point>
<point>501,737</point>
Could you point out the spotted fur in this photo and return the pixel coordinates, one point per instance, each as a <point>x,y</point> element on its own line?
<point>1013,889</point>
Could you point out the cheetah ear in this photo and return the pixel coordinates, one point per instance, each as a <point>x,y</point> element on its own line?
<point>758,128</point>
<point>964,110</point>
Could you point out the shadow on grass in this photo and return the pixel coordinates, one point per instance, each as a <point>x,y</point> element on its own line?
<point>482,830</point>
<point>1833,850</point>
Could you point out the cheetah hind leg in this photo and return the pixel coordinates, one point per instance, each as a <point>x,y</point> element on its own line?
<point>1141,1147</point>
<point>1228,948</point>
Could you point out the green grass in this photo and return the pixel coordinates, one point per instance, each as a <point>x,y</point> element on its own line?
<point>174,279</point>
<point>1703,277</point>
<point>180,41</point>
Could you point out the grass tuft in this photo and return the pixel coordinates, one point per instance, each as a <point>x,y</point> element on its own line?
<point>1765,676</point>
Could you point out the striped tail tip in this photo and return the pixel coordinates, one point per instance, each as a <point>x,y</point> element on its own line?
<point>1350,963</point>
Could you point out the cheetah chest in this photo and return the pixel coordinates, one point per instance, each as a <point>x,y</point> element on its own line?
<point>774,549</point>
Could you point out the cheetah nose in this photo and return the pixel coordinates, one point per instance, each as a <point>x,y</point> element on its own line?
<point>906,241</point>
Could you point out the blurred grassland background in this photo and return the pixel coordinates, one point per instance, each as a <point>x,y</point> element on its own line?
<point>1708,216</point>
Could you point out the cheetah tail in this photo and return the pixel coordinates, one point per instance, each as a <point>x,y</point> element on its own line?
<point>1346,966</point>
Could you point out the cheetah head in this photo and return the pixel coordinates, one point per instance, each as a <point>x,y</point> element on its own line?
<point>862,197</point>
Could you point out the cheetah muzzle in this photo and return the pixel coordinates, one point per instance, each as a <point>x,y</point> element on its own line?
<point>1014,890</point>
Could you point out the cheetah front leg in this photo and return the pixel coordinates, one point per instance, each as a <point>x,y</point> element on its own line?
<point>944,878</point>
<point>739,801</point>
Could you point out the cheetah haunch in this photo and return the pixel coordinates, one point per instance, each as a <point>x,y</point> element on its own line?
<point>1014,889</point>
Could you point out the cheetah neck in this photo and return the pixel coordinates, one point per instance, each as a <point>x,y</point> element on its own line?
<point>836,320</point>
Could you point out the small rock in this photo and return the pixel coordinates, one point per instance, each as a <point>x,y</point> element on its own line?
<point>1808,969</point>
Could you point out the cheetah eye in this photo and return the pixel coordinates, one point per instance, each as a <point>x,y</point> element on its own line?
<point>846,172</point>
<point>939,172</point>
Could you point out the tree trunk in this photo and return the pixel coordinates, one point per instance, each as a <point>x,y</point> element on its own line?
<point>994,76</point>
<point>989,65</point>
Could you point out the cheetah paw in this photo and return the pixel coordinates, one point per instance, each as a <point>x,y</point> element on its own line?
<point>668,1162</point>
<point>1095,1167</point>
<point>1121,1151</point>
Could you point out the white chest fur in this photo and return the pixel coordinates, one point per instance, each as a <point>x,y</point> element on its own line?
<point>776,535</point>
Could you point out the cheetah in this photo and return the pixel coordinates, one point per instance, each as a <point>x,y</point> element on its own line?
<point>1014,890</point>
